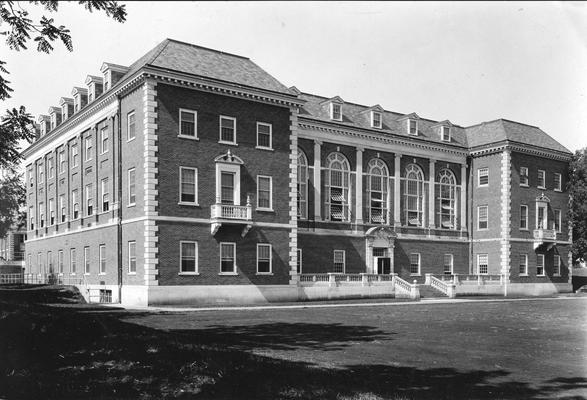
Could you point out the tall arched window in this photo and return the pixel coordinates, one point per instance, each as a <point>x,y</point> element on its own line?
<point>337,187</point>
<point>377,178</point>
<point>447,199</point>
<point>414,195</point>
<point>302,185</point>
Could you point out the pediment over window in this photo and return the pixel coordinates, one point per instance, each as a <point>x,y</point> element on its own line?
<point>542,198</point>
<point>229,158</point>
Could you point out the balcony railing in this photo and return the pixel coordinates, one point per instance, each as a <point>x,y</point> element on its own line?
<point>230,211</point>
<point>545,234</point>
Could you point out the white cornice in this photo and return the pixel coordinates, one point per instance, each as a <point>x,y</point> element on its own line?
<point>520,148</point>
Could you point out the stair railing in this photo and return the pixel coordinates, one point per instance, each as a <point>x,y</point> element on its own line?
<point>444,287</point>
<point>404,289</point>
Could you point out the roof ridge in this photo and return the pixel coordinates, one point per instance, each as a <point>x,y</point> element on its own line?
<point>206,48</point>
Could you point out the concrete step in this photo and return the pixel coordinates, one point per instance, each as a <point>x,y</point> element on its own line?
<point>427,291</point>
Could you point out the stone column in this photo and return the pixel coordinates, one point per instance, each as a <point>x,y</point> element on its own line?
<point>359,187</point>
<point>463,197</point>
<point>317,181</point>
<point>431,191</point>
<point>396,192</point>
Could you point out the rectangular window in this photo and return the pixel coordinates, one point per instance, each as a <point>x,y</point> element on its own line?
<point>227,187</point>
<point>558,182</point>
<point>523,176</point>
<point>414,263</point>
<point>41,174</point>
<point>540,264</point>
<point>51,212</point>
<point>105,195</point>
<point>102,254</point>
<point>188,123</point>
<point>74,156</point>
<point>523,217</point>
<point>483,176</point>
<point>88,142</point>
<point>412,127</point>
<point>263,258</point>
<point>339,261</point>
<point>50,262</point>
<point>132,257</point>
<point>336,111</point>
<point>227,258</point>
<point>131,126</point>
<point>41,215</point>
<point>31,218</point>
<point>376,119</point>
<point>104,139</point>
<point>132,195</point>
<point>74,201</point>
<point>72,261</point>
<point>264,192</point>
<point>482,264</point>
<point>556,268</point>
<point>299,262</point>
<point>86,260</point>
<point>89,200</point>
<point>188,183</point>
<point>60,262</point>
<point>541,179</point>
<point>31,179</point>
<point>482,217</point>
<point>51,168</point>
<point>227,130</point>
<point>61,162</point>
<point>264,135</point>
<point>557,221</point>
<point>523,264</point>
<point>445,133</point>
<point>448,263</point>
<point>188,255</point>
<point>62,210</point>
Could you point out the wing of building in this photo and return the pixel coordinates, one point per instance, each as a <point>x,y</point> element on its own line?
<point>194,176</point>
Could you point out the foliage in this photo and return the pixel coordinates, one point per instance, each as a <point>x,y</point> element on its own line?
<point>12,198</point>
<point>14,127</point>
<point>578,210</point>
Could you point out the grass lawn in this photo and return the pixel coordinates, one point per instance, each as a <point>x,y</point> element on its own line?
<point>532,349</point>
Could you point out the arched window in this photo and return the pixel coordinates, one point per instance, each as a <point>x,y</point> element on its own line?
<point>377,178</point>
<point>447,199</point>
<point>337,187</point>
<point>302,185</point>
<point>414,195</point>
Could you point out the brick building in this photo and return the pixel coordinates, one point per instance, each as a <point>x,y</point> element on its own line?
<point>195,176</point>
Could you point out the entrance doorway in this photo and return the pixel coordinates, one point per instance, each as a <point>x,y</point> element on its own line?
<point>381,261</point>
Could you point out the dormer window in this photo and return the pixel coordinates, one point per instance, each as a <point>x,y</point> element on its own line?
<point>376,120</point>
<point>445,133</point>
<point>111,73</point>
<point>412,126</point>
<point>53,121</point>
<point>336,111</point>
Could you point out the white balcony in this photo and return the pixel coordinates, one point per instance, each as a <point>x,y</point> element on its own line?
<point>230,214</point>
<point>544,236</point>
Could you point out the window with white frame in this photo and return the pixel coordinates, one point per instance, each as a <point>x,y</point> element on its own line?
<point>558,182</point>
<point>86,260</point>
<point>414,263</point>
<point>447,190</point>
<point>523,216</point>
<point>412,126</point>
<point>50,262</point>
<point>523,176</point>
<point>40,263</point>
<point>445,133</point>
<point>299,262</point>
<point>131,127</point>
<point>72,261</point>
<point>227,130</point>
<point>31,218</point>
<point>557,221</point>
<point>482,264</point>
<point>264,135</point>
<point>448,264</point>
<point>188,184</point>
<point>74,156</point>
<point>104,140</point>
<point>88,142</point>
<point>483,177</point>
<point>482,217</point>
<point>105,195</point>
<point>302,185</point>
<point>377,189</point>
<point>339,261</point>
<point>337,182</point>
<point>263,258</point>
<point>188,254</point>
<point>41,174</point>
<point>61,162</point>
<point>51,212</point>
<point>336,111</point>
<point>51,168</point>
<point>41,215</point>
<point>188,123</point>
<point>89,200</point>
<point>523,268</point>
<point>264,192</point>
<point>556,268</point>
<point>541,179</point>
<point>60,262</point>
<point>414,195</point>
<point>62,209</point>
<point>31,178</point>
<point>102,255</point>
<point>227,258</point>
<point>376,120</point>
<point>132,257</point>
<point>227,187</point>
<point>540,264</point>
<point>75,204</point>
<point>132,191</point>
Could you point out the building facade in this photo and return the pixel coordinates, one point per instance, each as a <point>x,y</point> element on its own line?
<point>195,176</point>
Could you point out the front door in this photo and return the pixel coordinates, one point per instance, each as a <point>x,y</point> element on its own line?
<point>383,265</point>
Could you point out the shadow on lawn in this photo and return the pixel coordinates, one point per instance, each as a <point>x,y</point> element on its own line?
<point>50,352</point>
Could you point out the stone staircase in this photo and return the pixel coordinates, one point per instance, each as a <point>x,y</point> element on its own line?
<point>428,292</point>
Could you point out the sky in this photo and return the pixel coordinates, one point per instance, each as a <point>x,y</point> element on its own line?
<point>467,62</point>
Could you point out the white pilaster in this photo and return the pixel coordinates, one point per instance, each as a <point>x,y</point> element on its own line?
<point>431,191</point>
<point>396,192</point>
<point>359,187</point>
<point>317,181</point>
<point>505,212</point>
<point>293,196</point>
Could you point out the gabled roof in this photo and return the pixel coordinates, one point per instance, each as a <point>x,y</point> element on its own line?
<point>409,116</point>
<point>188,58</point>
<point>503,129</point>
<point>335,99</point>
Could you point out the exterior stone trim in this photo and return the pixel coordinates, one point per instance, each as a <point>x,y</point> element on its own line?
<point>293,196</point>
<point>506,202</point>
